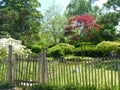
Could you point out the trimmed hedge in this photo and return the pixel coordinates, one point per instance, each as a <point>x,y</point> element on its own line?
<point>60,50</point>
<point>107,46</point>
<point>89,51</point>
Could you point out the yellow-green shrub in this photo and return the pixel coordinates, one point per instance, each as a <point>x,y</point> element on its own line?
<point>60,50</point>
<point>107,46</point>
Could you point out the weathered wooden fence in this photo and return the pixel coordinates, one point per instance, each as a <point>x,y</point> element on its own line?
<point>27,71</point>
<point>98,72</point>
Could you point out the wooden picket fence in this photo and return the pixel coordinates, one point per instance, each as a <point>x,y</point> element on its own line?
<point>27,71</point>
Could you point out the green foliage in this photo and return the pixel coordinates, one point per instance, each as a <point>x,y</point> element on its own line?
<point>78,87</point>
<point>60,50</point>
<point>22,20</point>
<point>7,20</point>
<point>108,21</point>
<point>36,48</point>
<point>69,87</point>
<point>113,4</point>
<point>4,85</point>
<point>53,24</point>
<point>78,7</point>
<point>78,44</point>
<point>107,46</point>
<point>88,50</point>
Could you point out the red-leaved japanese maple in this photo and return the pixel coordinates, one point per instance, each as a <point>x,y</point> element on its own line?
<point>84,23</point>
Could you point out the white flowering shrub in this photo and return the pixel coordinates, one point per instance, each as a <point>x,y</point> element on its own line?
<point>17,47</point>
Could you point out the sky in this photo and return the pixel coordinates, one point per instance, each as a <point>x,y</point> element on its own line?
<point>47,3</point>
<point>62,3</point>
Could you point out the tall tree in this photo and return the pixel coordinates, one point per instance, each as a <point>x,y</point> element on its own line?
<point>28,22</point>
<point>86,26</point>
<point>53,23</point>
<point>108,21</point>
<point>7,20</point>
<point>113,4</point>
<point>78,7</point>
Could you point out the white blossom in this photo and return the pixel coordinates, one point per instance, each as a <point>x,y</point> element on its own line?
<point>17,46</point>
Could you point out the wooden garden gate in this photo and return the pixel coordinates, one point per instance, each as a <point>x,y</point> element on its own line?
<point>26,70</point>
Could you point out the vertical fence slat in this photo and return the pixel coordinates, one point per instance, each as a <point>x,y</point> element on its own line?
<point>105,73</point>
<point>82,66</point>
<point>59,72</point>
<point>79,71</point>
<point>111,66</point>
<point>67,73</point>
<point>92,66</point>
<point>43,58</point>
<point>10,65</point>
<point>101,71</point>
<point>108,75</point>
<point>89,76</point>
<point>39,57</point>
<point>85,65</point>
<point>53,74</point>
<point>76,72</point>
<point>69,69</point>
<point>119,76</point>
<point>15,69</point>
<point>115,64</point>
<point>64,70</point>
<point>73,71</point>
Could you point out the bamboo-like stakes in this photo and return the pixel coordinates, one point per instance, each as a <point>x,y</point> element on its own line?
<point>29,71</point>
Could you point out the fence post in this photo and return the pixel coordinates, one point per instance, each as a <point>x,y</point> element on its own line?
<point>10,65</point>
<point>43,58</point>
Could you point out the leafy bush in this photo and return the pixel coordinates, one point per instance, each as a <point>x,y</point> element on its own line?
<point>4,85</point>
<point>78,44</point>
<point>60,50</point>
<point>36,48</point>
<point>107,46</point>
<point>89,51</point>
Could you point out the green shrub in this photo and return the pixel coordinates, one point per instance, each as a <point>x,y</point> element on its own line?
<point>60,50</point>
<point>55,52</point>
<point>78,44</point>
<point>4,85</point>
<point>89,51</point>
<point>36,48</point>
<point>107,46</point>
